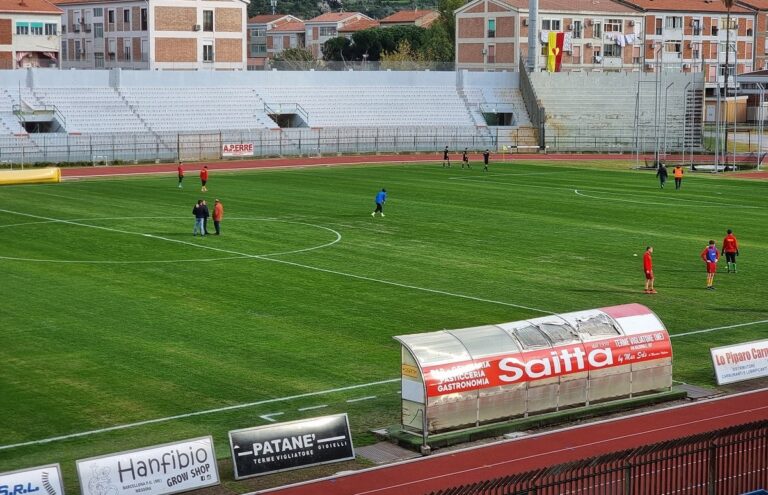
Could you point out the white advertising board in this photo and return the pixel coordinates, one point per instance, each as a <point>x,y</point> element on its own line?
<point>157,470</point>
<point>237,149</point>
<point>736,363</point>
<point>43,480</point>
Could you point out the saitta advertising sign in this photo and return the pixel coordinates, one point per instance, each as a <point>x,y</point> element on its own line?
<point>158,470</point>
<point>292,445</point>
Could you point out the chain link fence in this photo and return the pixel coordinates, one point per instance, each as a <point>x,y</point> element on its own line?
<point>92,149</point>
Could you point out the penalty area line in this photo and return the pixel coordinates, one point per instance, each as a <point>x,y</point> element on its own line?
<point>196,413</point>
<point>708,330</point>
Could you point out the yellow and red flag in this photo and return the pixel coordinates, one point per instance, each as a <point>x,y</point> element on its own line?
<point>554,51</point>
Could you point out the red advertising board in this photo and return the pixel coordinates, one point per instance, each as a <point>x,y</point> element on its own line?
<point>509,369</point>
<point>237,149</point>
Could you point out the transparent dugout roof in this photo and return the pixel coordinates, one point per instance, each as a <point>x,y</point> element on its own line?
<point>435,347</point>
<point>485,341</point>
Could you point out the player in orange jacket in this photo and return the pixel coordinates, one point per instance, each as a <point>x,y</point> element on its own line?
<point>730,250</point>
<point>678,174</point>
<point>218,216</point>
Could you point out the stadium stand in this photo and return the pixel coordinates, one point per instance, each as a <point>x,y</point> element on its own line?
<point>9,123</point>
<point>165,109</point>
<point>601,111</point>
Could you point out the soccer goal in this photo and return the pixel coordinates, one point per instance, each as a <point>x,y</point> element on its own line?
<point>100,161</point>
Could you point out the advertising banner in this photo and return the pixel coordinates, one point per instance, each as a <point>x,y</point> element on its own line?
<point>292,445</point>
<point>237,149</point>
<point>45,480</point>
<point>158,470</point>
<point>546,363</point>
<point>736,363</point>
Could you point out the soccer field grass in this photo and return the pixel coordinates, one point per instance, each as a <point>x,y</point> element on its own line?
<point>114,314</point>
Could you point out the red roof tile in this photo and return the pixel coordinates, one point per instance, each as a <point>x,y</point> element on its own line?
<point>755,4</point>
<point>359,25</point>
<point>265,18</point>
<point>335,16</point>
<point>687,6</point>
<point>29,6</point>
<point>289,27</point>
<point>407,16</point>
<point>67,2</point>
<point>576,5</point>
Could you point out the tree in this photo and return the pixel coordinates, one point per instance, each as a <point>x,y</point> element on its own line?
<point>404,57</point>
<point>436,46</point>
<point>337,49</point>
<point>446,18</point>
<point>297,58</point>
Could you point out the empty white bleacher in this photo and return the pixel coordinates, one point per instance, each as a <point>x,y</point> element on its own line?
<point>375,106</point>
<point>91,110</point>
<point>205,109</point>
<point>9,123</point>
<point>604,107</point>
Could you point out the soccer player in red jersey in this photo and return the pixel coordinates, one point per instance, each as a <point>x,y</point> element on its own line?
<point>648,270</point>
<point>730,250</point>
<point>204,178</point>
<point>710,257</point>
<point>180,171</point>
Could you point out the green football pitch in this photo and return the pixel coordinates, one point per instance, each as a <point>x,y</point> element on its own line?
<point>121,330</point>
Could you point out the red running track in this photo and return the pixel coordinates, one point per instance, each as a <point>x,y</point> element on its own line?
<point>456,468</point>
<point>191,168</point>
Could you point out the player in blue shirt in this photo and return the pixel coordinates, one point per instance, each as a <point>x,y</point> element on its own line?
<point>381,197</point>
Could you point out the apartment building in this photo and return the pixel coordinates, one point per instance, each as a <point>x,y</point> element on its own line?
<point>760,8</point>
<point>326,26</point>
<point>692,36</point>
<point>421,18</point>
<point>351,28</point>
<point>599,36</point>
<point>153,34</point>
<point>30,33</point>
<point>260,44</point>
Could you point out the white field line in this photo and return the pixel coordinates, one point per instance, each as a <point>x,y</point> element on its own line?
<point>708,330</point>
<point>369,397</point>
<point>285,262</point>
<point>197,413</point>
<point>310,408</point>
<point>676,202</point>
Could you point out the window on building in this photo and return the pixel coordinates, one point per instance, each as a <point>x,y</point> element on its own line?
<point>22,28</point>
<point>597,56</point>
<point>143,19</point>
<point>99,12</point>
<point>145,50</point>
<point>576,54</point>
<point>612,50</point>
<point>127,49</point>
<point>98,29</point>
<point>731,70</point>
<point>63,29</point>
<point>258,32</point>
<point>659,27</point>
<point>208,20</point>
<point>64,49</point>
<point>98,59</point>
<point>327,31</point>
<point>78,53</point>
<point>491,54</point>
<point>258,49</point>
<point>597,30</point>
<point>111,51</point>
<point>613,26</point>
<point>127,19</point>
<point>673,22</point>
<point>724,22</point>
<point>491,28</point>
<point>111,18</point>
<point>36,28</point>
<point>577,29</point>
<point>550,24</point>
<point>636,57</point>
<point>696,26</point>
<point>208,51</point>
<point>50,29</point>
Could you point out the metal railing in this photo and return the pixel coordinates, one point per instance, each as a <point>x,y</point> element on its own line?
<point>728,461</point>
<point>536,111</point>
<point>167,147</point>
<point>281,108</point>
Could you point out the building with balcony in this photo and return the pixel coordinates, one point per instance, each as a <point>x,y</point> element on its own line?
<point>261,45</point>
<point>421,18</point>
<point>599,36</point>
<point>30,34</point>
<point>153,34</point>
<point>692,36</point>
<point>326,26</point>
